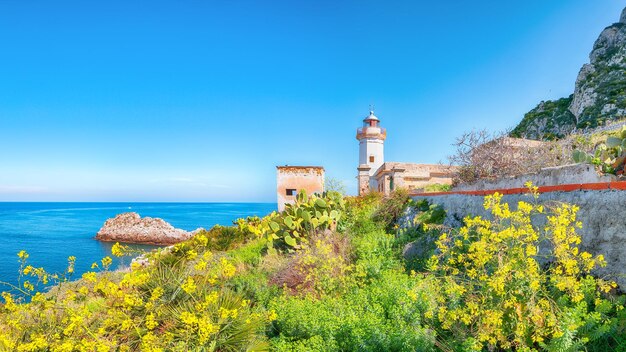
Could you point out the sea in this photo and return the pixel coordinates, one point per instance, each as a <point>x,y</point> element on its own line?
<point>51,232</point>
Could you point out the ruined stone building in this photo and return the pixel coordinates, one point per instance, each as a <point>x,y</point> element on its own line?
<point>292,179</point>
<point>375,174</point>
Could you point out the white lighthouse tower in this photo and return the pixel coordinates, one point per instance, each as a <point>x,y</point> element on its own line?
<point>371,151</point>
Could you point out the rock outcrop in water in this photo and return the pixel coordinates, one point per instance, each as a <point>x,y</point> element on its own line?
<point>131,228</point>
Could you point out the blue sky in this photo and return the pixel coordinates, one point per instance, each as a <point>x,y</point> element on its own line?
<point>200,100</point>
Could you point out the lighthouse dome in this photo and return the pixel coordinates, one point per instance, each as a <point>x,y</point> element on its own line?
<point>371,117</point>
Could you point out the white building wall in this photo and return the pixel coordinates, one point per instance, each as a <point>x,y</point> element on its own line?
<point>372,147</point>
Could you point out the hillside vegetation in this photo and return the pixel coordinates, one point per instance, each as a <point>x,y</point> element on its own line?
<point>481,155</point>
<point>599,95</point>
<point>550,120</point>
<point>328,275</point>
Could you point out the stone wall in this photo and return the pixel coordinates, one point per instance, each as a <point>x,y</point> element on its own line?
<point>602,210</point>
<point>552,176</point>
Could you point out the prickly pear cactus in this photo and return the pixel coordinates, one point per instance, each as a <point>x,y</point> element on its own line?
<point>609,156</point>
<point>291,229</point>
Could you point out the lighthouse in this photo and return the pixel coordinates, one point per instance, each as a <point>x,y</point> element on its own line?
<point>371,139</point>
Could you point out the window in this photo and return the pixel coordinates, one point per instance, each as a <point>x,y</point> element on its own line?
<point>371,158</point>
<point>291,192</point>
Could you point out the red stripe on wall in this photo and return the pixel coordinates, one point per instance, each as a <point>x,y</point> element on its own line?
<point>621,185</point>
<point>615,185</point>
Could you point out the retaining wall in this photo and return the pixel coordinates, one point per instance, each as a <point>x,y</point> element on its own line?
<point>602,209</point>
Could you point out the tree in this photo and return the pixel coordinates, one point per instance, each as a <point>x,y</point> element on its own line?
<point>335,185</point>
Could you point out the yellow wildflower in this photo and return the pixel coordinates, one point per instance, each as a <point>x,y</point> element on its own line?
<point>90,276</point>
<point>271,315</point>
<point>200,265</point>
<point>118,250</point>
<point>412,295</point>
<point>205,329</point>
<point>189,286</point>
<point>227,269</point>
<point>191,254</point>
<point>106,262</point>
<point>156,294</point>
<point>188,318</point>
<point>28,286</point>
<point>151,322</point>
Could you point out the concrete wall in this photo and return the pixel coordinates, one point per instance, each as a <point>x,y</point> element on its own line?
<point>308,178</point>
<point>602,210</point>
<point>552,176</point>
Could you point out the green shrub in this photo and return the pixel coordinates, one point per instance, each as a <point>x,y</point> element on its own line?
<point>392,208</point>
<point>222,238</point>
<point>249,254</point>
<point>435,187</point>
<point>376,317</point>
<point>608,156</point>
<point>374,253</point>
<point>423,230</point>
<point>319,268</point>
<point>358,215</point>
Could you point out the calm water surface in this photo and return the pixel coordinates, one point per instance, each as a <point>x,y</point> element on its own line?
<point>51,232</point>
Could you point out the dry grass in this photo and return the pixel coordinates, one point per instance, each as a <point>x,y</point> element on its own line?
<point>323,261</point>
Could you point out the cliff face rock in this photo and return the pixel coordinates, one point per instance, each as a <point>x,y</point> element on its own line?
<point>131,228</point>
<point>599,94</point>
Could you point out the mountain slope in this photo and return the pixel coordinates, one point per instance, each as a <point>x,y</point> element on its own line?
<point>549,120</point>
<point>599,95</point>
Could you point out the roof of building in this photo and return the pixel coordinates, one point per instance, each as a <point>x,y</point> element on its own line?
<point>290,167</point>
<point>371,117</point>
<point>520,142</point>
<point>413,168</point>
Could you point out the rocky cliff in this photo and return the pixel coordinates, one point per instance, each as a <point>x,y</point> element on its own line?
<point>131,228</point>
<point>548,121</point>
<point>599,94</point>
